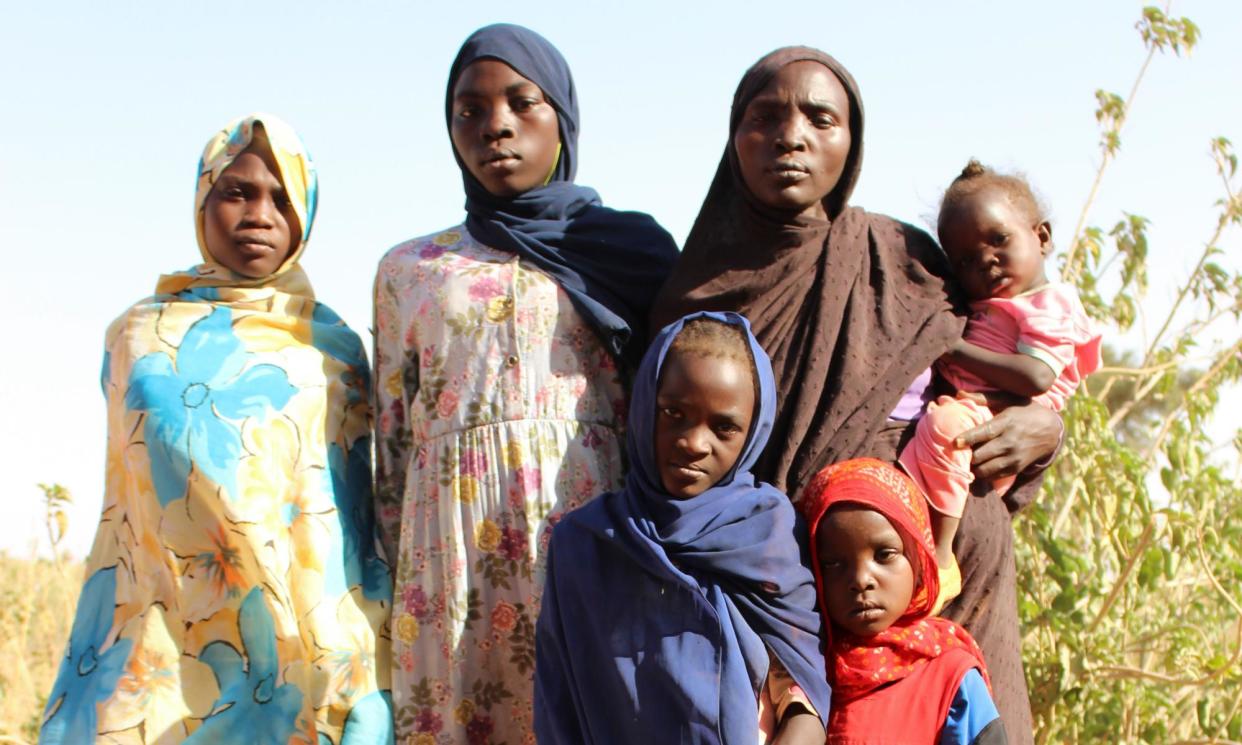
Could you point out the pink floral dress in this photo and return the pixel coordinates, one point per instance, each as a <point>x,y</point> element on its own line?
<point>497,410</point>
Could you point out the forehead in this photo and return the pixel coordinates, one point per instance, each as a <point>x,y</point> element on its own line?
<point>726,381</point>
<point>849,524</point>
<point>804,80</point>
<point>487,75</point>
<point>988,208</point>
<point>253,167</point>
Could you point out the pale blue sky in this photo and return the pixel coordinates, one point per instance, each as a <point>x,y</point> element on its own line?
<point>107,105</point>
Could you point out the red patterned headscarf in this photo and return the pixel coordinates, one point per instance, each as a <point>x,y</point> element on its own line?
<point>859,664</point>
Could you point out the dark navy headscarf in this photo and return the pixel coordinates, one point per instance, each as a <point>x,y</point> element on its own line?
<point>610,263</point>
<point>659,615</point>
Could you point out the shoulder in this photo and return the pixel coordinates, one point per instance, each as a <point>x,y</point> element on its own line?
<point>1053,302</point>
<point>585,543</point>
<point>1060,297</point>
<point>638,230</point>
<point>123,329</point>
<point>425,247</point>
<point>906,241</point>
<point>579,525</point>
<point>973,718</point>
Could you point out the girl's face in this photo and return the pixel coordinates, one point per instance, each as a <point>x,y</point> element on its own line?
<point>248,222</point>
<point>794,138</point>
<point>503,128</point>
<point>995,247</point>
<point>868,580</point>
<point>703,410</point>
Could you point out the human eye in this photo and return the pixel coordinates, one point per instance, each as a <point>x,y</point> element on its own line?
<point>670,412</point>
<point>823,118</point>
<point>524,103</point>
<point>887,555</point>
<point>1000,239</point>
<point>466,111</point>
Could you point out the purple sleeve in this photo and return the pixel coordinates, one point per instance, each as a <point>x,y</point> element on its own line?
<point>914,401</point>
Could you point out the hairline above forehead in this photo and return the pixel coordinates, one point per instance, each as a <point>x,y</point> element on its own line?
<point>1027,205</point>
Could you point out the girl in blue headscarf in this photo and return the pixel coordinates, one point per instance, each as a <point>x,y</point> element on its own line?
<point>499,346</point>
<point>678,609</point>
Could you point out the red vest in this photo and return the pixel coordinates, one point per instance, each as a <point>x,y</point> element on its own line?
<point>909,712</point>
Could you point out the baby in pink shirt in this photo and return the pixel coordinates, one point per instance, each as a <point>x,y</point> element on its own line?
<point>1026,336</point>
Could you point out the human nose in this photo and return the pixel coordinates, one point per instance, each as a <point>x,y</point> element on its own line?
<point>261,212</point>
<point>986,259</point>
<point>693,441</point>
<point>498,123</point>
<point>861,577</point>
<point>790,134</point>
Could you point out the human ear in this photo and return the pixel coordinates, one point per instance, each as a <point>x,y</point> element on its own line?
<point>1044,232</point>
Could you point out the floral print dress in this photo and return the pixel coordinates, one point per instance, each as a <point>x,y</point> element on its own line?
<point>498,410</point>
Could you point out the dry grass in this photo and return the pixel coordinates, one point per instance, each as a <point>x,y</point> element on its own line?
<point>37,601</point>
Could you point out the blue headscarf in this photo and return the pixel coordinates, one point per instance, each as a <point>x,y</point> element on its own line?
<point>610,263</point>
<point>659,614</point>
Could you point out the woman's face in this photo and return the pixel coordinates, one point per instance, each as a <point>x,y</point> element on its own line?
<point>503,128</point>
<point>794,138</point>
<point>703,410</point>
<point>248,222</point>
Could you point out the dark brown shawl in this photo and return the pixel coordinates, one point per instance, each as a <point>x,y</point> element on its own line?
<point>850,311</point>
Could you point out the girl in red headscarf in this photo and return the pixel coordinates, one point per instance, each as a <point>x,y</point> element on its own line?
<point>898,674</point>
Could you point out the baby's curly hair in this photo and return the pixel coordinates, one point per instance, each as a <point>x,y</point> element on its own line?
<point>976,177</point>
<point>707,337</point>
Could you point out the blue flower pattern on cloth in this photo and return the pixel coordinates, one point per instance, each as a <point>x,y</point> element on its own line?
<point>190,402</point>
<point>350,482</point>
<point>88,674</point>
<point>253,707</point>
<point>331,336</point>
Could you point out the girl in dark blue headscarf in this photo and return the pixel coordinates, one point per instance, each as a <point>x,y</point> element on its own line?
<point>678,609</point>
<point>500,401</point>
<point>610,263</point>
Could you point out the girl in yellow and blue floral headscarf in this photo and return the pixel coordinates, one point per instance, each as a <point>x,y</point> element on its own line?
<point>234,592</point>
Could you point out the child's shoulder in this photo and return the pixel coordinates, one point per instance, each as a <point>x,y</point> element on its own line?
<point>430,246</point>
<point>592,518</point>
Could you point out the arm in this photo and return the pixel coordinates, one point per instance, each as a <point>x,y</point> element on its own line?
<point>797,722</point>
<point>1017,373</point>
<point>800,726</point>
<point>390,400</point>
<point>557,718</point>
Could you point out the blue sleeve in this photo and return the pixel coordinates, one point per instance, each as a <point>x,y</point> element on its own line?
<point>973,718</point>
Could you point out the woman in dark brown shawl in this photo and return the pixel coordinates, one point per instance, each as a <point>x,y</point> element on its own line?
<point>853,308</point>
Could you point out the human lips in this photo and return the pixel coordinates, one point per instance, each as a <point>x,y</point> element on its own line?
<point>867,611</point>
<point>789,169</point>
<point>253,245</point>
<point>998,283</point>
<point>500,159</point>
<point>686,472</point>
